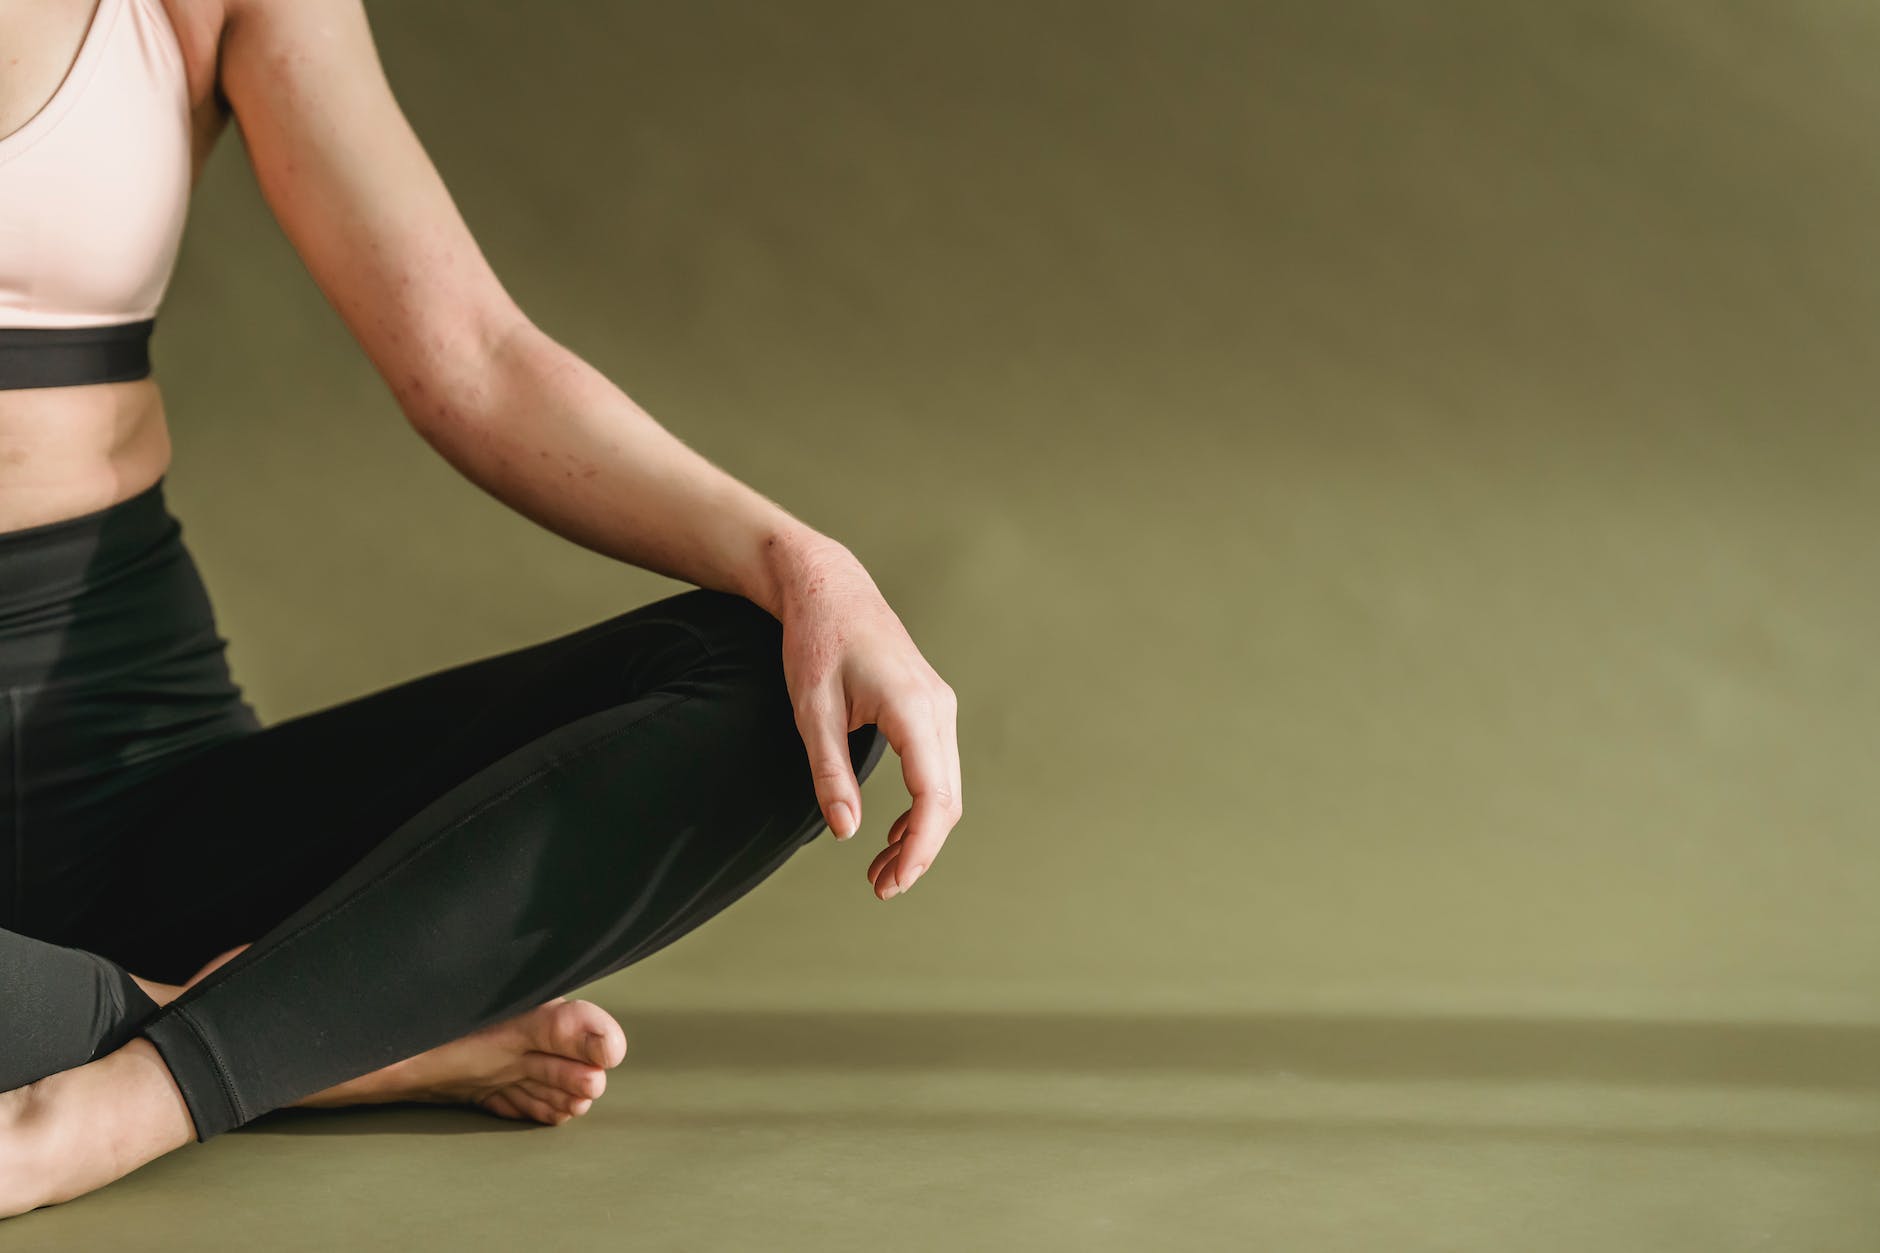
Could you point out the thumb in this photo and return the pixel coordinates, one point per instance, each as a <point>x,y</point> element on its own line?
<point>822,720</point>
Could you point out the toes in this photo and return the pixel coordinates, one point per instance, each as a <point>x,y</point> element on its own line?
<point>578,1079</point>
<point>554,1098</point>
<point>498,1103</point>
<point>534,1106</point>
<point>584,1031</point>
<point>559,1098</point>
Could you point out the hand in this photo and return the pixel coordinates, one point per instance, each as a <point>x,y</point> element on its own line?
<point>848,662</point>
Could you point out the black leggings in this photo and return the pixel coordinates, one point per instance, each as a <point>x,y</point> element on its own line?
<point>411,865</point>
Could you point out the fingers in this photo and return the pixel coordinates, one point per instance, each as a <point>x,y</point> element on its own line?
<point>822,718</point>
<point>881,882</point>
<point>921,730</point>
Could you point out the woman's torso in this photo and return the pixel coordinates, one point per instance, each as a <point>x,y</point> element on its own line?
<point>66,451</point>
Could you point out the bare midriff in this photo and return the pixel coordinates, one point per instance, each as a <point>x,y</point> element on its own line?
<point>66,451</point>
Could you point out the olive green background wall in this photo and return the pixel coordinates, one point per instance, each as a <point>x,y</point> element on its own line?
<point>1393,485</point>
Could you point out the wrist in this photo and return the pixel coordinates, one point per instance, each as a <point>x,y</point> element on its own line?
<point>790,556</point>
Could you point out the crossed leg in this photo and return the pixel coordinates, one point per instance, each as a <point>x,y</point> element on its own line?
<point>432,860</point>
<point>546,1064</point>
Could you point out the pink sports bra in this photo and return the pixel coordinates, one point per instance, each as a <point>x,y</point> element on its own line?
<point>94,189</point>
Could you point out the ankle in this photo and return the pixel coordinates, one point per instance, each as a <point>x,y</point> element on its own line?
<point>127,1100</point>
<point>169,1118</point>
<point>79,1129</point>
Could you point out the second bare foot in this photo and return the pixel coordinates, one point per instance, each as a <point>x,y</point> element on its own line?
<point>546,1064</point>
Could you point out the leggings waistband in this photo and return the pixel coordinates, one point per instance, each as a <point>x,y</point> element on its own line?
<point>89,595</point>
<point>33,557</point>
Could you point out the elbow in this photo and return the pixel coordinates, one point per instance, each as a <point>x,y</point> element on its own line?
<point>463,375</point>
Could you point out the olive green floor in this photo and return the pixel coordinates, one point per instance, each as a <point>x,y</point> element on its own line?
<point>1395,487</point>
<point>942,1131</point>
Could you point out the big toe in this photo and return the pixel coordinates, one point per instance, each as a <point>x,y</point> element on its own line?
<point>584,1031</point>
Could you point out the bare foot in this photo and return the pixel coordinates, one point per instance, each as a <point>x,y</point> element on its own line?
<point>75,1131</point>
<point>548,1064</point>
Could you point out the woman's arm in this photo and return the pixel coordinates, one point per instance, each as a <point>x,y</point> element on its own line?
<point>517,414</point>
<point>552,438</point>
<point>544,432</point>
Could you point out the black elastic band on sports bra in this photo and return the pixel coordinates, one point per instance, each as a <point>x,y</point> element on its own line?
<point>67,356</point>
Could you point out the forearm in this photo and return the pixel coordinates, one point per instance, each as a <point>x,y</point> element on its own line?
<point>554,439</point>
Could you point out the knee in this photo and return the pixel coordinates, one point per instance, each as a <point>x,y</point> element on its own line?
<point>746,646</point>
<point>744,634</point>
<point>702,640</point>
<point>728,624</point>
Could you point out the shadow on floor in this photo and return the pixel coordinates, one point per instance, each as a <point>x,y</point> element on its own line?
<point>1332,1047</point>
<point>1382,1047</point>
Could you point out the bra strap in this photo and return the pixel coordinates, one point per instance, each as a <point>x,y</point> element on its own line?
<point>67,356</point>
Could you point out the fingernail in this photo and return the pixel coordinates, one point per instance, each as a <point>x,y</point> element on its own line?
<point>911,876</point>
<point>842,822</point>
